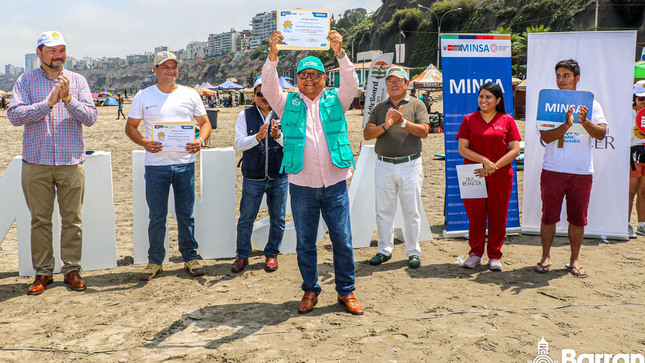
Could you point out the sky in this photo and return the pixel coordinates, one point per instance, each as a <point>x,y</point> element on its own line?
<point>116,28</point>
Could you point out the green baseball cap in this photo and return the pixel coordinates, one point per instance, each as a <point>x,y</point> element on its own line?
<point>310,62</point>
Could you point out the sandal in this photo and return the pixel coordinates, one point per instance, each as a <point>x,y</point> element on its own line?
<point>577,271</point>
<point>542,269</point>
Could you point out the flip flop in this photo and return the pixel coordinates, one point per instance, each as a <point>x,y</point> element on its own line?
<point>577,272</point>
<point>542,269</point>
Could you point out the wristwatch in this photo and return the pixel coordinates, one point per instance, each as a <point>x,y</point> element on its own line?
<point>384,129</point>
<point>202,140</point>
<point>403,124</point>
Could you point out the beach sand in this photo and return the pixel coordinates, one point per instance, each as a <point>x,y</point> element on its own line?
<point>437,313</point>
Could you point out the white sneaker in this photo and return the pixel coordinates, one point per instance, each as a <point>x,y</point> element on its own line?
<point>473,261</point>
<point>630,229</point>
<point>494,264</point>
<point>641,230</point>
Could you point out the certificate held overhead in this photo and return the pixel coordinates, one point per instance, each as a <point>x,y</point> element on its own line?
<point>304,29</point>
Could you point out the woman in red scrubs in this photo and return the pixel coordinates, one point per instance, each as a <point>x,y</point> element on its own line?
<point>489,136</point>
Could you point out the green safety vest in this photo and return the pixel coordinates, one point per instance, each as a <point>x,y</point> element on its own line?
<point>294,129</point>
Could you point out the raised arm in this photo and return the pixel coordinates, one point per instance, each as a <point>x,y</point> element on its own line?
<point>348,77</point>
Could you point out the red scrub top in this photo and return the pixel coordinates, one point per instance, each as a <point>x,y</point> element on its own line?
<point>490,139</point>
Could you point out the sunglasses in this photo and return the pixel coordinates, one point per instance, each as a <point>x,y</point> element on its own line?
<point>641,98</point>
<point>312,75</point>
<point>259,94</point>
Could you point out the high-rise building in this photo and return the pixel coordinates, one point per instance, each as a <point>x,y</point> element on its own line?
<point>9,69</point>
<point>180,53</point>
<point>31,61</point>
<point>160,48</point>
<point>13,71</point>
<point>196,50</point>
<point>244,40</point>
<point>262,25</point>
<point>70,63</point>
<point>222,43</point>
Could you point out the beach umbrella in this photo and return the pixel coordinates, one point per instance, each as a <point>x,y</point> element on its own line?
<point>207,85</point>
<point>228,85</point>
<point>284,83</point>
<point>204,91</point>
<point>105,94</point>
<point>94,95</point>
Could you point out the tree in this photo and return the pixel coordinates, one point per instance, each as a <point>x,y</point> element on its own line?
<point>350,18</point>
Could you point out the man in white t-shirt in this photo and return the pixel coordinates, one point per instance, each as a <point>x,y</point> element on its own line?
<point>568,170</point>
<point>168,102</point>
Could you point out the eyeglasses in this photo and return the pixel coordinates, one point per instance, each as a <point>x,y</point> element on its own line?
<point>259,94</point>
<point>394,81</point>
<point>312,75</point>
<point>641,98</point>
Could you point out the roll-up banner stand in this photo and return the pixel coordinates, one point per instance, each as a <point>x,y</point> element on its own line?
<point>470,60</point>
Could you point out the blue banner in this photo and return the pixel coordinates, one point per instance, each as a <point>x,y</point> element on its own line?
<point>469,61</point>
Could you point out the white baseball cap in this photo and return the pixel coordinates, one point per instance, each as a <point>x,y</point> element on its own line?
<point>163,56</point>
<point>257,82</point>
<point>639,89</point>
<point>51,39</point>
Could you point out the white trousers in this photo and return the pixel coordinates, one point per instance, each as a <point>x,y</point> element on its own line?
<point>402,181</point>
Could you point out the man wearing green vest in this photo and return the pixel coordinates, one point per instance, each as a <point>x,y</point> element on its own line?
<point>317,157</point>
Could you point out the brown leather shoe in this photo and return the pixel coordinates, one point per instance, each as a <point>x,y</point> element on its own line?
<point>239,264</point>
<point>75,281</point>
<point>271,263</point>
<point>351,304</point>
<point>309,300</point>
<point>39,285</point>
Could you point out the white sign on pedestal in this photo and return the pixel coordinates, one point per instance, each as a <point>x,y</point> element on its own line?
<point>99,241</point>
<point>363,209</point>
<point>214,213</point>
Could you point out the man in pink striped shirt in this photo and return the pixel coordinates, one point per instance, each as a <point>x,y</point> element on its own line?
<point>53,104</point>
<point>317,157</point>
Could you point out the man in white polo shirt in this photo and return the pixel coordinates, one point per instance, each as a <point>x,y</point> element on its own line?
<point>168,102</point>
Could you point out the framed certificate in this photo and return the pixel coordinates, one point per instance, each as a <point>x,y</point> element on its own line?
<point>173,135</point>
<point>304,29</point>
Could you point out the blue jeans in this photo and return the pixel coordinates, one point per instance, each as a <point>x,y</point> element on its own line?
<point>252,192</point>
<point>333,202</point>
<point>158,182</point>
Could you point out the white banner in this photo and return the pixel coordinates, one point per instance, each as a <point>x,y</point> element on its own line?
<point>376,90</point>
<point>607,70</point>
